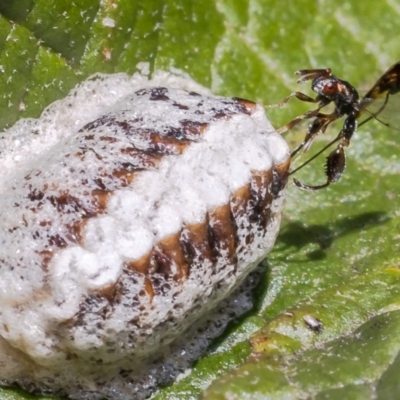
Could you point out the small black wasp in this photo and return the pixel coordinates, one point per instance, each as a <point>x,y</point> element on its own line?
<point>347,103</point>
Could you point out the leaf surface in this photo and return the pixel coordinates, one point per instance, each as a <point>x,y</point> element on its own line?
<point>337,257</point>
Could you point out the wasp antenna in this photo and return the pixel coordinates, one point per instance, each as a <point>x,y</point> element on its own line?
<point>305,78</point>
<point>317,71</point>
<point>310,74</point>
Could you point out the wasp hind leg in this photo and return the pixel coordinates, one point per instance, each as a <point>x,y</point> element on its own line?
<point>334,168</point>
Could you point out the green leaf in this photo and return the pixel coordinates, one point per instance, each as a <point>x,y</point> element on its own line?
<point>337,257</point>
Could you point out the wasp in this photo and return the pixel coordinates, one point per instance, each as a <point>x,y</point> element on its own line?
<point>347,104</point>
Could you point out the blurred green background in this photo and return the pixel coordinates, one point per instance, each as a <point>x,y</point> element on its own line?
<point>337,258</point>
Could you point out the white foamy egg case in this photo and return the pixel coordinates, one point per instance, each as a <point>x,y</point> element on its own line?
<point>130,209</point>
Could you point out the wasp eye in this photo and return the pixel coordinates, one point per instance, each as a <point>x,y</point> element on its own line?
<point>330,89</point>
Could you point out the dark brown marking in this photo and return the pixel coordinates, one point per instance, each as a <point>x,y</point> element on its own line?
<point>245,106</point>
<point>167,259</point>
<point>170,250</point>
<point>146,158</point>
<point>241,208</point>
<point>75,231</point>
<point>46,255</point>
<point>99,182</point>
<point>220,114</point>
<point>88,137</point>
<point>125,176</point>
<point>148,288</point>
<point>261,198</point>
<point>67,203</point>
<point>180,106</point>
<point>57,241</point>
<point>108,139</point>
<point>222,233</point>
<point>167,145</point>
<point>240,200</point>
<point>101,198</point>
<point>35,195</point>
<point>280,177</point>
<point>195,246</point>
<point>159,94</point>
<point>193,128</point>
<point>105,119</point>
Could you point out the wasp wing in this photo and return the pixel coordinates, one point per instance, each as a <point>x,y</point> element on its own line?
<point>388,83</point>
<point>375,102</point>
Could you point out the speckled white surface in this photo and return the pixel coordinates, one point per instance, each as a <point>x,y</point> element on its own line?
<point>39,160</point>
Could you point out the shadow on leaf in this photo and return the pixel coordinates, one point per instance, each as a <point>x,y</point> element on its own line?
<point>298,235</point>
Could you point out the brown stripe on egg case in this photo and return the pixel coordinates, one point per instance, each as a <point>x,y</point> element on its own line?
<point>123,173</point>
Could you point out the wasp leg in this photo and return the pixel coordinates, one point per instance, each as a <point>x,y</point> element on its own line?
<point>309,114</point>
<point>322,102</point>
<point>298,95</point>
<point>317,127</point>
<point>334,168</point>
